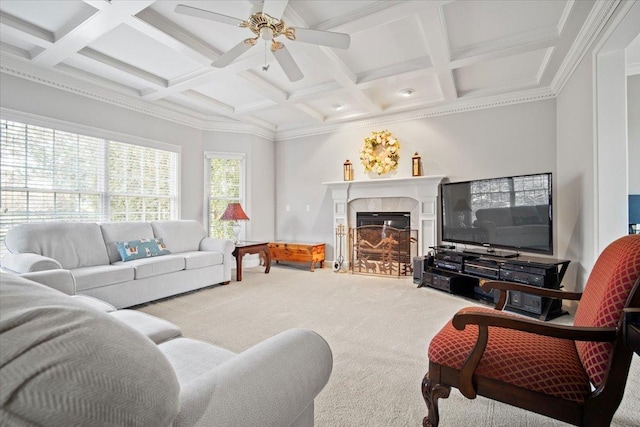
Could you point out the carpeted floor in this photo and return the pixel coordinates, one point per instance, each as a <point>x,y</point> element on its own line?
<point>378,329</point>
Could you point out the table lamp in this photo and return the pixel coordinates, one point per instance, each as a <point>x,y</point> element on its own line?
<point>234,213</point>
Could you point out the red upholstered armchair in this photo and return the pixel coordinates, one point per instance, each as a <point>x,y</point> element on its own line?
<point>576,374</point>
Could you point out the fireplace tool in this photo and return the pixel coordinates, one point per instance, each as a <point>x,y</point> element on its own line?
<point>340,233</point>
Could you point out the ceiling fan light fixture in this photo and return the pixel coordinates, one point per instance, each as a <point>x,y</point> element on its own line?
<point>266,33</point>
<point>406,92</point>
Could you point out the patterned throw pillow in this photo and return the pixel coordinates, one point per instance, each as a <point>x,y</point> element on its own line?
<point>142,248</point>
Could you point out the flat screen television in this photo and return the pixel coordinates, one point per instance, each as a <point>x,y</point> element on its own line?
<point>513,213</point>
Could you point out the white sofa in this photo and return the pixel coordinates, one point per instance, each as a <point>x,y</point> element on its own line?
<point>88,251</point>
<point>68,360</point>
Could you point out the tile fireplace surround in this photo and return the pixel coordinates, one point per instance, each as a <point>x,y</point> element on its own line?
<point>388,195</point>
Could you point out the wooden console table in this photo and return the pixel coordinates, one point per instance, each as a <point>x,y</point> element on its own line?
<point>243,248</point>
<point>298,252</point>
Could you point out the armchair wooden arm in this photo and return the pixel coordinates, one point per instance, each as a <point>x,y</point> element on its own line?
<point>483,320</point>
<point>503,287</point>
<point>631,328</point>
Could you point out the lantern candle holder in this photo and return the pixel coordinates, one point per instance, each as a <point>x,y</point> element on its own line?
<point>415,169</point>
<point>348,170</point>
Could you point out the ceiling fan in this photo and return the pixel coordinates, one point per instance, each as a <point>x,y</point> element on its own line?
<point>267,23</point>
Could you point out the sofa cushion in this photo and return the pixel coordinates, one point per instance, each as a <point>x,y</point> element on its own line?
<point>101,275</point>
<point>149,267</point>
<point>94,303</point>
<point>63,363</point>
<point>72,244</point>
<point>156,329</point>
<point>113,232</point>
<point>141,248</point>
<point>197,259</point>
<point>190,358</point>
<point>180,236</point>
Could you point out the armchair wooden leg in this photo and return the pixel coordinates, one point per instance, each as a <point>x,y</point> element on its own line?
<point>431,393</point>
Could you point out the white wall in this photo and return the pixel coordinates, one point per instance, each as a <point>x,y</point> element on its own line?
<point>574,202</point>
<point>510,140</point>
<point>48,102</point>
<point>584,178</point>
<point>633,123</point>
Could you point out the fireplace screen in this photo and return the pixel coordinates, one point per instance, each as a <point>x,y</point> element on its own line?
<point>383,250</point>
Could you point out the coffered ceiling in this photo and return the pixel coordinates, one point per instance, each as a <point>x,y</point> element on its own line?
<point>453,55</point>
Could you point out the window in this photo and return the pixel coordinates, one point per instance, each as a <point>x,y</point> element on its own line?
<point>52,175</point>
<point>225,176</point>
<point>507,192</point>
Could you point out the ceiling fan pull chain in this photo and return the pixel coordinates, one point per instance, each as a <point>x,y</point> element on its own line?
<point>265,67</point>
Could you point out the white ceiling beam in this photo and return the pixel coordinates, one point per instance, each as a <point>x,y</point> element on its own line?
<point>159,28</point>
<point>200,79</point>
<point>263,87</point>
<point>109,17</point>
<point>148,77</point>
<point>338,69</point>
<point>434,32</point>
<point>208,102</point>
<point>311,112</point>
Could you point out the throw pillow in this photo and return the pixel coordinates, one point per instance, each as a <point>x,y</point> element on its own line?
<point>142,248</point>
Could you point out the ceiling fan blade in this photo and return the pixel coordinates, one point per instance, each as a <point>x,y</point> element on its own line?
<point>230,56</point>
<point>324,38</point>
<point>274,8</point>
<point>288,65</point>
<point>205,14</point>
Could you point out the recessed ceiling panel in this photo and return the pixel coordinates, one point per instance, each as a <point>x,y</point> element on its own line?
<point>317,12</point>
<point>218,35</point>
<point>229,89</point>
<point>384,45</point>
<point>188,104</point>
<point>386,92</point>
<point>326,104</point>
<point>92,67</point>
<point>472,23</point>
<point>283,115</point>
<point>50,15</point>
<point>514,71</point>
<point>131,47</point>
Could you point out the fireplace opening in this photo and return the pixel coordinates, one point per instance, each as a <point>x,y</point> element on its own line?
<point>399,220</point>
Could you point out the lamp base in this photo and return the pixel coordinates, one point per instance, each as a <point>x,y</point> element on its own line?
<point>236,232</point>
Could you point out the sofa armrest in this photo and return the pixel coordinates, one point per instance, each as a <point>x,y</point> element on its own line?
<point>28,263</point>
<point>61,280</point>
<point>271,384</point>
<point>226,248</point>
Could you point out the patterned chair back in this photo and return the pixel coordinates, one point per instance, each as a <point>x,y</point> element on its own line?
<point>607,290</point>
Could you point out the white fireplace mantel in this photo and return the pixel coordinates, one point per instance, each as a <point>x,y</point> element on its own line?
<point>423,189</point>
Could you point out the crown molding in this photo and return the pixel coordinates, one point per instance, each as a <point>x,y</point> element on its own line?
<point>59,80</point>
<point>441,110</point>
<point>598,17</point>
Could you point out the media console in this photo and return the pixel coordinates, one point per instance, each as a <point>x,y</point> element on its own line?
<point>461,273</point>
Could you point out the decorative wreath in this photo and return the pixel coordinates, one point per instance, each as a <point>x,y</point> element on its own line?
<point>379,153</point>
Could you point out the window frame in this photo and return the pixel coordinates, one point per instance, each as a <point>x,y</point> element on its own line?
<point>107,136</point>
<point>242,157</point>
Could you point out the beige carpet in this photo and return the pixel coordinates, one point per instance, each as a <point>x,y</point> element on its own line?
<point>378,329</point>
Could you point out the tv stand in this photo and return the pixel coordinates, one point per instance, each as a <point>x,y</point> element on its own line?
<point>491,252</point>
<point>461,273</point>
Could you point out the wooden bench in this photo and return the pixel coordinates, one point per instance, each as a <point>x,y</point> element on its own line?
<point>297,252</point>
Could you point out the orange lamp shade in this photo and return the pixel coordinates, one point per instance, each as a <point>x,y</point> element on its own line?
<point>234,212</point>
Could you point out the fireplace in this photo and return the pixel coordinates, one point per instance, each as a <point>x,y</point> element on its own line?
<point>399,220</point>
<point>417,195</point>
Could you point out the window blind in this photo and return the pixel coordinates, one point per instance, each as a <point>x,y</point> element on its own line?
<point>52,175</point>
